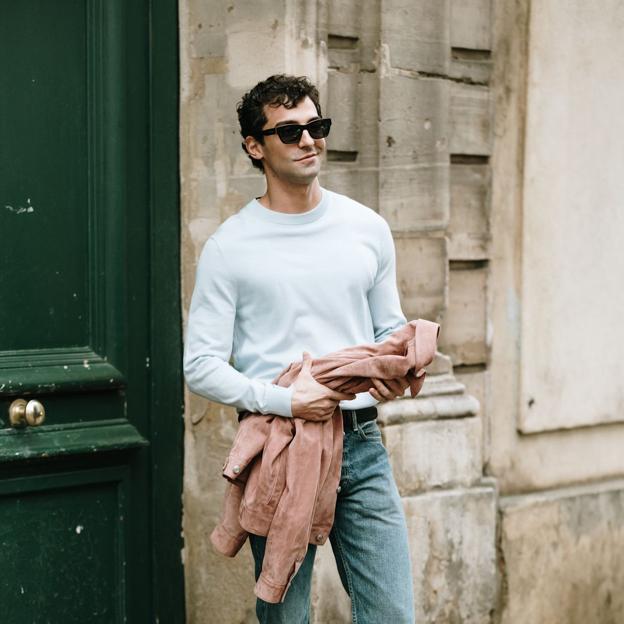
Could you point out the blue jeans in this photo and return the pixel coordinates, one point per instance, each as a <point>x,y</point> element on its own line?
<point>368,538</point>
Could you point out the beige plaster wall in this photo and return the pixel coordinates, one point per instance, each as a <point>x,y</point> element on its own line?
<point>522,295</point>
<point>573,217</point>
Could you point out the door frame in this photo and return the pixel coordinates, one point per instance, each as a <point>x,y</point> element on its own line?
<point>166,387</point>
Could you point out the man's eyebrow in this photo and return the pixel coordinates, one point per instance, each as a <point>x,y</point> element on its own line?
<point>288,122</point>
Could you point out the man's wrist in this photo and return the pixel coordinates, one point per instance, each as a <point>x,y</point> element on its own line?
<point>279,400</point>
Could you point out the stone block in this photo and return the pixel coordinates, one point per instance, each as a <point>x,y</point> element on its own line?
<point>417,34</point>
<point>369,35</point>
<point>413,153</point>
<point>342,102</point>
<point>368,122</point>
<point>340,56</point>
<point>437,405</point>
<point>476,380</point>
<point>563,552</point>
<point>464,334</point>
<point>206,29</point>
<point>344,17</point>
<point>435,453</point>
<point>471,24</point>
<point>468,229</point>
<point>452,544</point>
<point>415,198</point>
<point>422,268</point>
<point>470,66</point>
<point>470,120</point>
<point>414,127</point>
<point>343,179</point>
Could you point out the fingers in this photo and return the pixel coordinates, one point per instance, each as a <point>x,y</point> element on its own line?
<point>380,391</point>
<point>387,389</point>
<point>307,361</point>
<point>376,395</point>
<point>342,396</point>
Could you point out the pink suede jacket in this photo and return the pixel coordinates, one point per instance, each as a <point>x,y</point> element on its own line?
<point>283,472</point>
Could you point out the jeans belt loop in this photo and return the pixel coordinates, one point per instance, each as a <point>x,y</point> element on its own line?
<point>354,420</point>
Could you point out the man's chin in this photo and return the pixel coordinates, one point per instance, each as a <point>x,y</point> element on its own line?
<point>305,177</point>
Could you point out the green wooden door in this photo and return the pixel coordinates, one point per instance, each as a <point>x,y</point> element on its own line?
<point>89,313</point>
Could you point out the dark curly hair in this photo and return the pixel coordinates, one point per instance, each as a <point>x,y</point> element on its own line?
<point>277,90</point>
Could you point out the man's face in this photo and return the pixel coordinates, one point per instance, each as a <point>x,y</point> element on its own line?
<point>298,163</point>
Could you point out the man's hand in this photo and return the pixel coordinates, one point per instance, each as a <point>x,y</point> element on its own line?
<point>388,389</point>
<point>312,400</point>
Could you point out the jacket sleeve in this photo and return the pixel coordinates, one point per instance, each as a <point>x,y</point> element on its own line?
<point>383,297</point>
<point>209,340</point>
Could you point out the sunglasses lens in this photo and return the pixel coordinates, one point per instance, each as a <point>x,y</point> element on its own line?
<point>289,134</point>
<point>319,129</point>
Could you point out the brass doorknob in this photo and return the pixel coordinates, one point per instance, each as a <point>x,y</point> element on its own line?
<point>23,413</point>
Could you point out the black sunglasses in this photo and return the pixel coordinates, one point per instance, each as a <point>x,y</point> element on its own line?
<point>291,133</point>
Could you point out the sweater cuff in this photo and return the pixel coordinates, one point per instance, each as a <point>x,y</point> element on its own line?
<point>278,400</point>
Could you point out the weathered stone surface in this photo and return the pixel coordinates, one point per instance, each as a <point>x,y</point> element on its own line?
<point>468,230</point>
<point>452,542</point>
<point>464,337</point>
<point>471,24</point>
<point>476,380</point>
<point>429,408</point>
<point>414,120</point>
<point>421,276</point>
<point>563,553</point>
<point>470,67</point>
<point>343,18</point>
<point>415,198</point>
<point>470,120</point>
<point>342,101</point>
<point>413,153</point>
<point>416,33</point>
<point>434,453</point>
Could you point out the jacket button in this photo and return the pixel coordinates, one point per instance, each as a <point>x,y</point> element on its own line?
<point>338,489</point>
<point>319,537</point>
<point>236,469</point>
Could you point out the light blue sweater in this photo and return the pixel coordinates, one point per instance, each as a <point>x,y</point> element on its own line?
<point>271,285</point>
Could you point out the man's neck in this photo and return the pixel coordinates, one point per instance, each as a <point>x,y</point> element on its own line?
<point>291,198</point>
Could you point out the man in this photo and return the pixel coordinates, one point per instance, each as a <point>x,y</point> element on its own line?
<point>302,272</point>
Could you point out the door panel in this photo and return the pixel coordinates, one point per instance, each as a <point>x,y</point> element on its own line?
<point>45,151</point>
<point>82,539</point>
<point>63,547</point>
<point>63,182</point>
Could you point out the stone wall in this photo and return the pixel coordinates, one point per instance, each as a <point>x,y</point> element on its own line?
<point>431,102</point>
<point>406,85</point>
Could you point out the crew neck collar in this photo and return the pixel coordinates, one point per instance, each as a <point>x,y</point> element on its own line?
<point>274,216</point>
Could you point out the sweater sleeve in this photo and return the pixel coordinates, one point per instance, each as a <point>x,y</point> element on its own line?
<point>383,297</point>
<point>209,339</point>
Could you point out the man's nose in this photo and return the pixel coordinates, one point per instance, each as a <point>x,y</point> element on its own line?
<point>306,139</point>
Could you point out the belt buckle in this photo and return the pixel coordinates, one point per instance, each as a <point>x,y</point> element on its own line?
<point>353,418</point>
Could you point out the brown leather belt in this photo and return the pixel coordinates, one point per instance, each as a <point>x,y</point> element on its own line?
<point>352,418</point>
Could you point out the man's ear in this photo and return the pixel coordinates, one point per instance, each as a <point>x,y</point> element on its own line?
<point>253,147</point>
